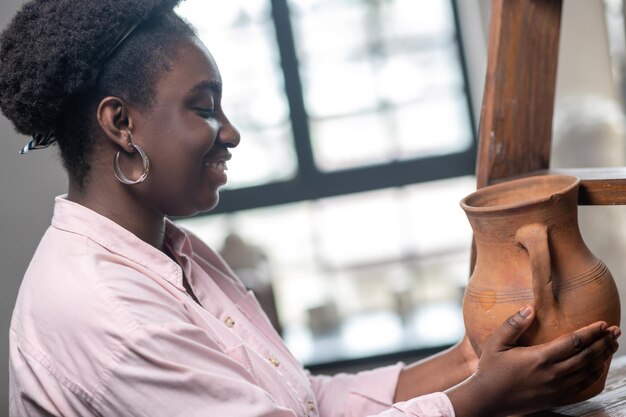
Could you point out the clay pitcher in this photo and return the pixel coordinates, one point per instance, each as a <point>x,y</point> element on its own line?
<point>529,251</point>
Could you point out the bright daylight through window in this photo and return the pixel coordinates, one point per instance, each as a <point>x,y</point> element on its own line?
<point>357,144</point>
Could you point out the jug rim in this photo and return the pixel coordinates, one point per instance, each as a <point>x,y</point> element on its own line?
<point>515,183</point>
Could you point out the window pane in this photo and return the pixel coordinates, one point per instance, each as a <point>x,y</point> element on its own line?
<point>351,141</point>
<point>392,262</point>
<point>439,125</point>
<point>266,156</point>
<point>340,221</point>
<point>417,18</point>
<point>392,65</point>
<point>241,37</point>
<point>430,72</point>
<point>338,88</point>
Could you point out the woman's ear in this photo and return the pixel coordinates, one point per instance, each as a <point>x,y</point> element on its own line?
<point>114,120</point>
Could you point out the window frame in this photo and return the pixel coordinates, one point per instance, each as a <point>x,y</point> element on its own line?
<point>311,183</point>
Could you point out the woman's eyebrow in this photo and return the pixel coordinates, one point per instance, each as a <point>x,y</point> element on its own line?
<point>211,85</point>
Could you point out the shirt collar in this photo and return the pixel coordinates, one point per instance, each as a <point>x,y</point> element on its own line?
<point>75,218</point>
<point>178,242</point>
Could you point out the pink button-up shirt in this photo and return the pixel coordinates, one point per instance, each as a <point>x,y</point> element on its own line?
<point>104,327</point>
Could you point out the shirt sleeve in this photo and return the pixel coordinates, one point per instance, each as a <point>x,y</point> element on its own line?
<point>432,405</point>
<point>371,393</point>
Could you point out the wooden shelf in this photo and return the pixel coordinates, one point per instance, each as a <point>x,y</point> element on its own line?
<point>598,186</point>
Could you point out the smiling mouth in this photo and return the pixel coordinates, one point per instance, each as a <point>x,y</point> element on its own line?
<point>219,165</point>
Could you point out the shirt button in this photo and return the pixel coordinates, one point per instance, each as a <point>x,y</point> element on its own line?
<point>229,321</point>
<point>311,406</point>
<point>274,361</point>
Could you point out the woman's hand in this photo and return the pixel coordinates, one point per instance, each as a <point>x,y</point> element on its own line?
<point>511,379</point>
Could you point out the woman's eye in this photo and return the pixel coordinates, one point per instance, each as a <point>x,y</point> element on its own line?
<point>205,113</point>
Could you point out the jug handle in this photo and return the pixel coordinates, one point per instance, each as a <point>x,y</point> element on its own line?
<point>534,239</point>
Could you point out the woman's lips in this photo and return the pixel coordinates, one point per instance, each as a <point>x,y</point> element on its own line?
<point>219,165</point>
<point>218,168</point>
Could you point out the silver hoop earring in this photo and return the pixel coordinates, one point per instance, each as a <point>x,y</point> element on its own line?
<point>118,171</point>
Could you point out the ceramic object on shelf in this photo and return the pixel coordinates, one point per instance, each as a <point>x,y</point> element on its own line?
<point>529,251</point>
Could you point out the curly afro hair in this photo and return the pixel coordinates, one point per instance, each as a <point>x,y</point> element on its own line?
<point>52,73</point>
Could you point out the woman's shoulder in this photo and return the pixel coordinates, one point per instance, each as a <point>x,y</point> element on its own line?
<point>81,307</point>
<point>77,287</point>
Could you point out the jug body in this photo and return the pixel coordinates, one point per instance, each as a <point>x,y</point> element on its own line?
<point>529,251</point>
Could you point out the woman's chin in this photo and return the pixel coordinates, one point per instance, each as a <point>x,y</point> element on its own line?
<point>207,205</point>
<point>195,207</point>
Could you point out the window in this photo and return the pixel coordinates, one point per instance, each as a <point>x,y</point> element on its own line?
<point>380,75</point>
<point>357,144</point>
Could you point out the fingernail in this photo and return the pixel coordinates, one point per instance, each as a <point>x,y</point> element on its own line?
<point>617,332</point>
<point>525,312</point>
<point>603,326</point>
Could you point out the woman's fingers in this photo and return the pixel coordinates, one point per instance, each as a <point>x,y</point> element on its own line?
<point>575,361</point>
<point>594,357</point>
<point>577,386</point>
<point>506,335</point>
<point>571,344</point>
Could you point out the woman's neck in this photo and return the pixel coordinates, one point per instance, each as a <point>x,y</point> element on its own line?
<point>123,209</point>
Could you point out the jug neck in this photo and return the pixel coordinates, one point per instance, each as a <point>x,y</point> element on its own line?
<point>497,224</point>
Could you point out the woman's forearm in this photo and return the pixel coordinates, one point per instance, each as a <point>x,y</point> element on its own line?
<point>437,373</point>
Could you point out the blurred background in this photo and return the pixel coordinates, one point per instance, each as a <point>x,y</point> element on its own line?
<point>358,122</point>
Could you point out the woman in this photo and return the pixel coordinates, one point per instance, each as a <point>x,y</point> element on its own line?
<point>122,313</point>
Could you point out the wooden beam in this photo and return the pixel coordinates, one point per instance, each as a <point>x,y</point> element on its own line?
<point>598,186</point>
<point>518,103</point>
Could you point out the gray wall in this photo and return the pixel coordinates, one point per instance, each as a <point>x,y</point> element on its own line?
<point>29,183</point>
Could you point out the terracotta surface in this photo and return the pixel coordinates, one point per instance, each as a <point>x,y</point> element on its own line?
<point>530,251</point>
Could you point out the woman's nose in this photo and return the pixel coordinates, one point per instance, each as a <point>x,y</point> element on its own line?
<point>229,135</point>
